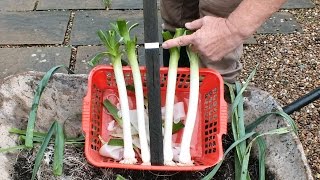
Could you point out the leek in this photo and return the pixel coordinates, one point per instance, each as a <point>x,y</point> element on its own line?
<point>130,47</point>
<point>109,39</point>
<point>185,156</point>
<point>171,86</point>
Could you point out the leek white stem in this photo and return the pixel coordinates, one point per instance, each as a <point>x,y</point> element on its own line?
<point>185,156</point>
<point>128,154</point>
<point>171,87</point>
<point>145,152</point>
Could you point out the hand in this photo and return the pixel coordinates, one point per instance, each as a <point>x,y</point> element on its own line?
<point>213,37</point>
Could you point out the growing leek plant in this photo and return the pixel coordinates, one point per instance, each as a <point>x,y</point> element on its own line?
<point>185,156</point>
<point>242,134</point>
<point>171,87</point>
<point>130,47</point>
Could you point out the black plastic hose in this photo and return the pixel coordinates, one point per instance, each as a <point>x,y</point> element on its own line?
<point>302,101</point>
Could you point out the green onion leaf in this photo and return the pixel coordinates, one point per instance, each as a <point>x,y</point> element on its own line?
<point>23,132</point>
<point>286,117</point>
<point>2,150</point>
<point>116,142</point>
<point>96,59</point>
<point>113,111</point>
<point>236,101</point>
<point>58,151</point>
<point>42,149</point>
<point>177,127</point>
<point>262,157</point>
<point>216,168</point>
<point>119,177</point>
<point>33,114</point>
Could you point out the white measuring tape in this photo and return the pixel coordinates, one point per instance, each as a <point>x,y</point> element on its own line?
<point>153,45</point>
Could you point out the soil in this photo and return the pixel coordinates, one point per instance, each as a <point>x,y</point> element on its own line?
<point>22,168</point>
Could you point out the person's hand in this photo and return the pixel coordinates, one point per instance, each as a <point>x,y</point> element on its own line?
<point>213,37</point>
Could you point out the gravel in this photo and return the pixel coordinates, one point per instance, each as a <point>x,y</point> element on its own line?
<point>289,68</point>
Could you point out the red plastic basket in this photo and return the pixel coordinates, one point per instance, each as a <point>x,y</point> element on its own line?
<point>211,124</point>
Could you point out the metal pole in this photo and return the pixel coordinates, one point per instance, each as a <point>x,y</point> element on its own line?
<point>151,37</point>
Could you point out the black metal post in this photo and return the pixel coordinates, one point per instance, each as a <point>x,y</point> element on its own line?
<point>302,101</point>
<point>150,14</point>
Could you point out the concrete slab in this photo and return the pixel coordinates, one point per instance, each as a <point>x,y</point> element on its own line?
<point>129,4</point>
<point>87,23</point>
<point>17,60</point>
<point>33,27</point>
<point>70,4</point>
<point>280,22</point>
<point>17,5</point>
<point>295,4</point>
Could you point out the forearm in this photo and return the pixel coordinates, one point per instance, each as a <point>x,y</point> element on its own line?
<point>251,14</point>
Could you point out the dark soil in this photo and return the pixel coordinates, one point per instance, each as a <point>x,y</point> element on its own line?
<point>22,168</point>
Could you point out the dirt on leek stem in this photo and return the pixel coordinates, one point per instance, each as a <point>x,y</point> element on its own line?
<point>171,86</point>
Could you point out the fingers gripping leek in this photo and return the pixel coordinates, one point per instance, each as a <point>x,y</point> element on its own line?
<point>171,86</point>
<point>113,51</point>
<point>130,46</point>
<point>185,156</point>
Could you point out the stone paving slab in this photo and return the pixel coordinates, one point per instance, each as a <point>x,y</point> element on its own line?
<point>129,4</point>
<point>17,60</point>
<point>250,40</point>
<point>33,27</point>
<point>70,4</point>
<point>85,53</point>
<point>280,22</point>
<point>87,23</point>
<point>295,4</point>
<point>17,5</point>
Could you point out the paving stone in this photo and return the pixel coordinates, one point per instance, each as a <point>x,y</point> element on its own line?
<point>87,23</point>
<point>33,27</point>
<point>129,4</point>
<point>17,60</point>
<point>85,53</point>
<point>250,40</point>
<point>70,4</point>
<point>17,5</point>
<point>294,4</point>
<point>280,22</point>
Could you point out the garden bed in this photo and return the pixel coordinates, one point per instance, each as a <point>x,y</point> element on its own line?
<point>62,101</point>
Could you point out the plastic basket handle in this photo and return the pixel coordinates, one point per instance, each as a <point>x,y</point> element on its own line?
<point>224,117</point>
<point>86,114</point>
